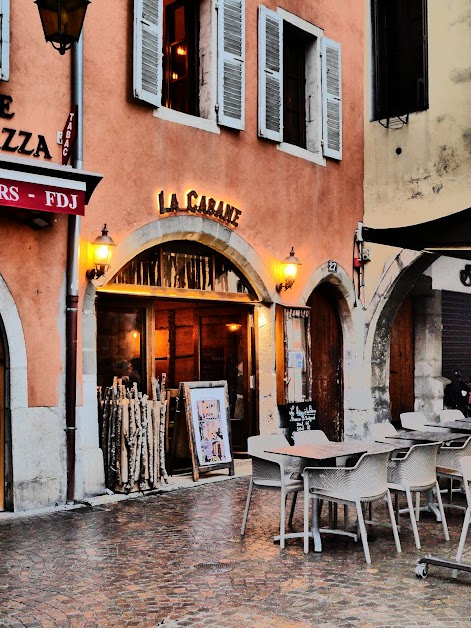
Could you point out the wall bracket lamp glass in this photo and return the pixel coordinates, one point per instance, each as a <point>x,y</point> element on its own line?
<point>102,248</point>
<point>62,21</point>
<point>289,271</point>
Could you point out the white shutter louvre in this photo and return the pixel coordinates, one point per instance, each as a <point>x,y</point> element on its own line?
<point>270,75</point>
<point>148,51</point>
<point>231,63</point>
<point>331,98</point>
<point>4,40</point>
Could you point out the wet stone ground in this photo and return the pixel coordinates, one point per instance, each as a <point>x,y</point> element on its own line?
<point>146,562</point>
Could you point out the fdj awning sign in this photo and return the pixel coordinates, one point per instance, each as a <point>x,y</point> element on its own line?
<point>40,197</point>
<point>196,204</point>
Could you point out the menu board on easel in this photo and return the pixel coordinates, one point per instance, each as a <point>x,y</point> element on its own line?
<point>206,410</point>
<point>301,416</point>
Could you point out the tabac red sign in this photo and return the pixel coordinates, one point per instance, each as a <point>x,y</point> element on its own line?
<point>69,135</point>
<point>40,197</point>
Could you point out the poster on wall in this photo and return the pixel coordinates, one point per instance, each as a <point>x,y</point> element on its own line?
<point>208,424</point>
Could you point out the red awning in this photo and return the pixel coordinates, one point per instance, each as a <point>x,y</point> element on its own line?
<point>39,186</point>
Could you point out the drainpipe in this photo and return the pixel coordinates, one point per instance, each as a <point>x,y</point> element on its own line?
<point>72,297</point>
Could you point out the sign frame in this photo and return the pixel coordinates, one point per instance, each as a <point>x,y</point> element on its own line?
<point>209,436</point>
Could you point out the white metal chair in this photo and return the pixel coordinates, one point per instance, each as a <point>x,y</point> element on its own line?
<point>273,472</point>
<point>449,458</point>
<point>416,472</point>
<point>451,415</point>
<point>364,483</point>
<point>306,437</point>
<point>379,431</point>
<point>413,420</point>
<point>465,464</point>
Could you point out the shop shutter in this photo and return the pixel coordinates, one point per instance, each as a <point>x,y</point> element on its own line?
<point>331,99</point>
<point>456,334</point>
<point>148,51</point>
<point>5,40</point>
<point>231,63</point>
<point>270,75</point>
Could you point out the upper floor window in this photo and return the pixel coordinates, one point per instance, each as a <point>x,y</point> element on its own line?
<point>300,86</point>
<point>189,57</point>
<point>181,55</point>
<point>400,57</point>
<point>4,40</point>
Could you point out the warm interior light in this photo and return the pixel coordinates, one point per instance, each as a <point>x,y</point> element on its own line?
<point>233,327</point>
<point>135,334</point>
<point>181,51</point>
<point>174,76</point>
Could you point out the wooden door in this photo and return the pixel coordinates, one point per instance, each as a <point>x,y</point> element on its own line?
<point>401,369</point>
<point>2,422</point>
<point>327,375</point>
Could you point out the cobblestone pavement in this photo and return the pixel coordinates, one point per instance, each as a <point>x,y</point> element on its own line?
<point>135,563</point>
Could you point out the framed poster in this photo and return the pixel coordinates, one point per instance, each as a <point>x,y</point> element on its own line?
<point>208,425</point>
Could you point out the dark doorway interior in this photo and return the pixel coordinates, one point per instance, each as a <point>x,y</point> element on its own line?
<point>327,376</point>
<point>188,341</point>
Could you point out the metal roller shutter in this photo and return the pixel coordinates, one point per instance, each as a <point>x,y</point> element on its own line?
<point>456,334</point>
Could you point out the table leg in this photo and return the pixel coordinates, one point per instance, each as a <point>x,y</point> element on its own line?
<point>316,535</point>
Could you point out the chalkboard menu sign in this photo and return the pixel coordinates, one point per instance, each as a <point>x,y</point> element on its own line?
<point>300,416</point>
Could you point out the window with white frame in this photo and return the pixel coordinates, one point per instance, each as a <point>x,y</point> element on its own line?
<point>300,90</point>
<point>4,40</point>
<point>189,57</point>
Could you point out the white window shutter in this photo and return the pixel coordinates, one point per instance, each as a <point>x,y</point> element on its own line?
<point>148,51</point>
<point>331,98</point>
<point>231,63</point>
<point>270,75</point>
<point>5,40</point>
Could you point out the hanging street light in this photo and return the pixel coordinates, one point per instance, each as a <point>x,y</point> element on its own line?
<point>62,21</point>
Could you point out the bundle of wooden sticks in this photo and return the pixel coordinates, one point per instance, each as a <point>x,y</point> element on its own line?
<point>132,436</point>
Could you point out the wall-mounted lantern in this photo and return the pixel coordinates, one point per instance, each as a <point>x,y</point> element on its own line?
<point>102,247</point>
<point>62,21</point>
<point>289,271</point>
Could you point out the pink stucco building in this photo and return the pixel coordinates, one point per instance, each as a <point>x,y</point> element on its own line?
<point>225,133</point>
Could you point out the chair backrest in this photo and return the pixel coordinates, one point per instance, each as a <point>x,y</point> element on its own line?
<point>413,420</point>
<point>257,445</point>
<point>466,470</point>
<point>307,437</point>
<point>366,480</point>
<point>451,454</point>
<point>379,431</point>
<point>451,415</point>
<point>418,468</point>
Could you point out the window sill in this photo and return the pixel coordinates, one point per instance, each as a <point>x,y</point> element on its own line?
<point>163,113</point>
<point>302,153</point>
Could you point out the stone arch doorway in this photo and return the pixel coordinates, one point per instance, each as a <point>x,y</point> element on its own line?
<point>400,312</point>
<point>183,309</point>
<point>327,357</point>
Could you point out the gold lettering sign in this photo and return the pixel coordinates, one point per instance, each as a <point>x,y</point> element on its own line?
<point>196,204</point>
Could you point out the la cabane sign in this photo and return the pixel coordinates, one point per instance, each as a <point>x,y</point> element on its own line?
<point>196,204</point>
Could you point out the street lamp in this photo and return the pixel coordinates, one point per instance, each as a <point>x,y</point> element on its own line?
<point>102,254</point>
<point>289,271</point>
<point>62,21</point>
